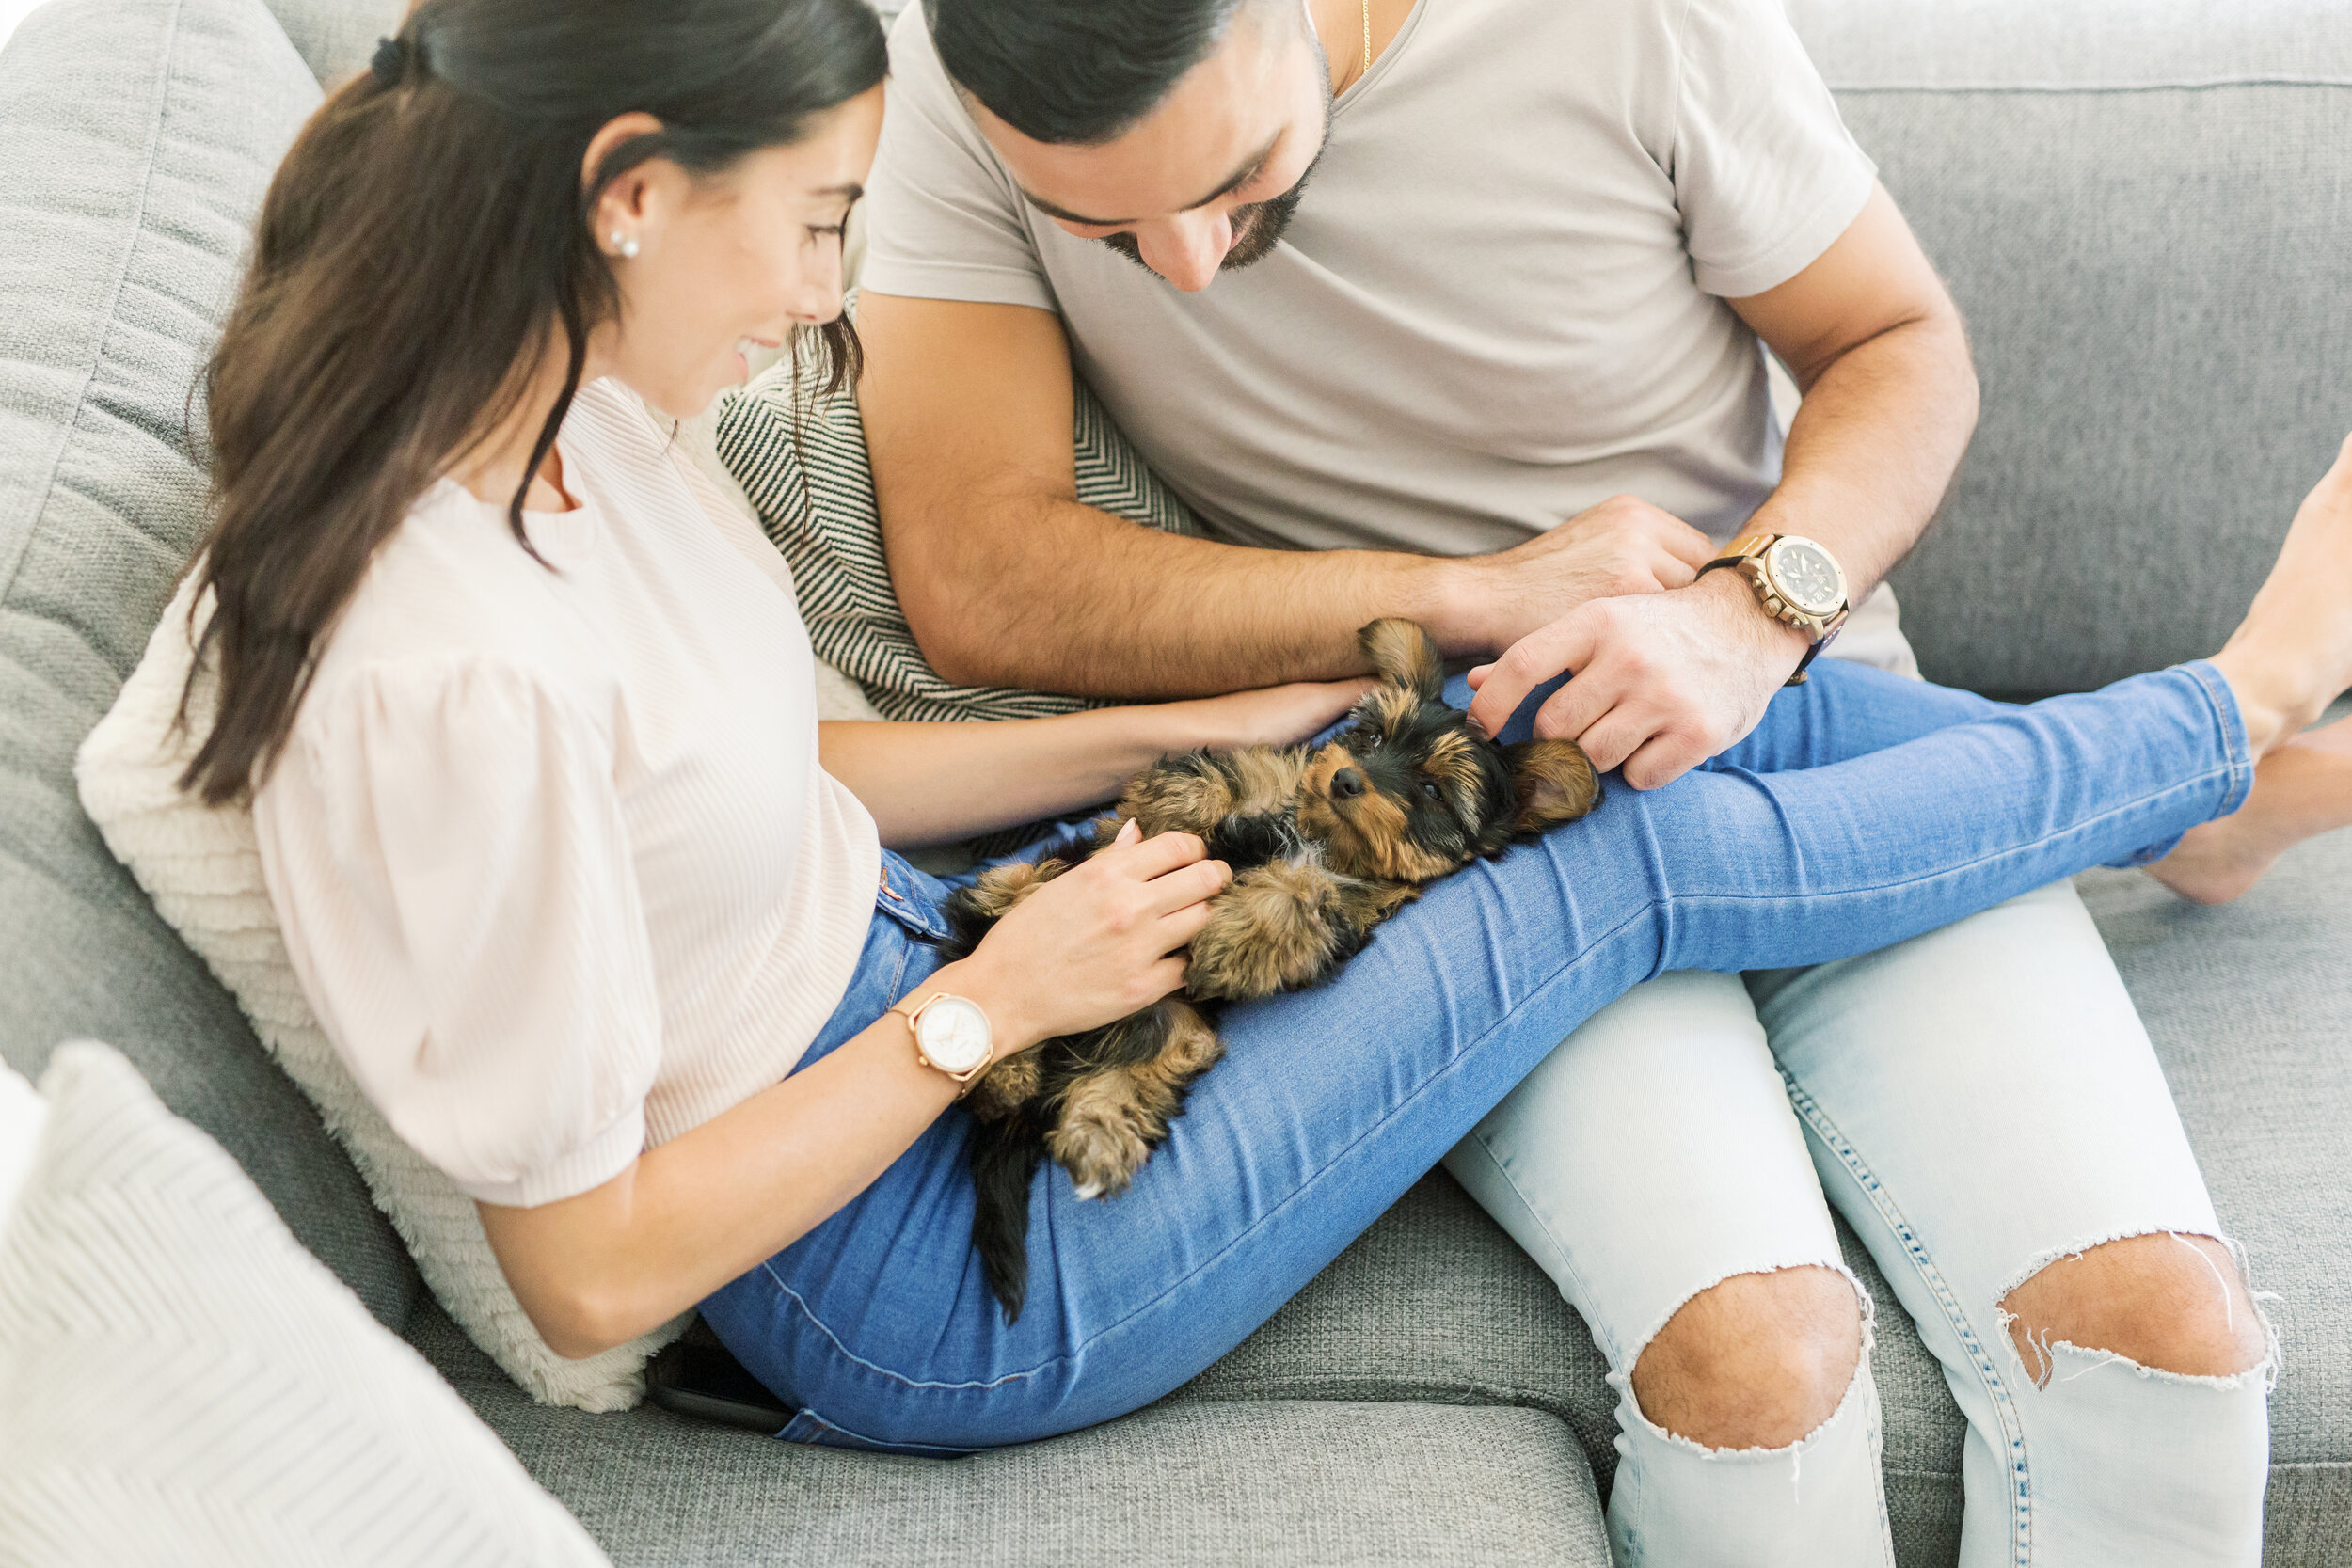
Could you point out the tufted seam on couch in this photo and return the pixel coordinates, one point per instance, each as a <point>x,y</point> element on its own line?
<point>137,228</point>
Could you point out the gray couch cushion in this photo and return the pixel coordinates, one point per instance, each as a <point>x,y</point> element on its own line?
<point>160,121</point>
<point>2140,205</point>
<point>1199,1483</point>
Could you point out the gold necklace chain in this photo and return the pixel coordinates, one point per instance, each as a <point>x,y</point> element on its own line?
<point>1367,67</point>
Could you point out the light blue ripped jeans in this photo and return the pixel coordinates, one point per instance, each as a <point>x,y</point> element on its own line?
<point>1976,1103</point>
<point>876,1326</point>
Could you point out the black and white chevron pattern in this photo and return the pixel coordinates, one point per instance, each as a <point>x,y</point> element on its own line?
<point>800,454</point>
<point>181,1382</point>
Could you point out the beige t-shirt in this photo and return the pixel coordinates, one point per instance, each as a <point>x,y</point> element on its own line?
<point>1501,300</point>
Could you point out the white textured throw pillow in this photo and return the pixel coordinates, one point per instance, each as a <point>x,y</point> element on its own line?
<point>202,867</point>
<point>182,1383</point>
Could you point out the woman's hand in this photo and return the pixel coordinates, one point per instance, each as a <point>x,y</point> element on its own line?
<point>1270,716</point>
<point>1101,941</point>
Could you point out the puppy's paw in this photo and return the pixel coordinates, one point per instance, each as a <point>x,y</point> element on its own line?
<point>1005,1088</point>
<point>1104,1136</point>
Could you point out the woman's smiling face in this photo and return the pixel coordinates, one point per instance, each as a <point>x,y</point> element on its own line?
<point>730,262</point>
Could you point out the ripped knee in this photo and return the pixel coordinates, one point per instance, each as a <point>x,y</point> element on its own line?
<point>2165,1302</point>
<point>1754,1361</point>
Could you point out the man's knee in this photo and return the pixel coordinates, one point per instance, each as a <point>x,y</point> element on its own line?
<point>2167,1302</point>
<point>1755,1361</point>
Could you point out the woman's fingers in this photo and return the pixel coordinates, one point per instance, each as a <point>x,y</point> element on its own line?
<point>1187,886</point>
<point>1146,858</point>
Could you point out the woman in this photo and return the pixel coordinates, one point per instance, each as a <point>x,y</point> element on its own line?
<point>602,921</point>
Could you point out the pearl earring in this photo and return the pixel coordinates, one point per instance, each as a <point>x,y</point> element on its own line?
<point>625,244</point>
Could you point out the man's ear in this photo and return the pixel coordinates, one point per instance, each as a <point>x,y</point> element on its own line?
<point>1555,782</point>
<point>1405,655</point>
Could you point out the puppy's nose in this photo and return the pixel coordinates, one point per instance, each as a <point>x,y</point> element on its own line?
<point>1347,783</point>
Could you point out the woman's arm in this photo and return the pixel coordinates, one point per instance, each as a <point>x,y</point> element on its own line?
<point>599,1269</point>
<point>935,783</point>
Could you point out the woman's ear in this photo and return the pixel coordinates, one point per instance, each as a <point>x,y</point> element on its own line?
<point>1555,782</point>
<point>628,209</point>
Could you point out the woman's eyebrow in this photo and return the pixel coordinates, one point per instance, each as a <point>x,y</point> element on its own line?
<point>1240,176</point>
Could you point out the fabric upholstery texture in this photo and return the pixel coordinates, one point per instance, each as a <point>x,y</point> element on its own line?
<point>202,866</point>
<point>336,37</point>
<point>2140,209</point>
<point>1298,1483</point>
<point>140,136</point>
<point>177,1368</point>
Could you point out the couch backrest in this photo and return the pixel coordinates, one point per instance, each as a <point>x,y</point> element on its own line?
<point>2145,209</point>
<point>136,139</point>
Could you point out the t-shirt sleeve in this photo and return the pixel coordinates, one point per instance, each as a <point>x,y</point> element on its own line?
<point>1764,170</point>
<point>444,845</point>
<point>944,220</point>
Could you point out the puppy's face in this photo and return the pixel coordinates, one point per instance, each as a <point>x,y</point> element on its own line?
<point>1410,791</point>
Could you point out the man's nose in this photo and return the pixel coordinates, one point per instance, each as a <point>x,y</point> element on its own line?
<point>1187,248</point>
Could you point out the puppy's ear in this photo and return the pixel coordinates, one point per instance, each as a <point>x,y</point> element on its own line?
<point>1405,655</point>
<point>1555,782</point>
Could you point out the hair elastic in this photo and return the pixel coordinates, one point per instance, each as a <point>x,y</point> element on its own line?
<point>389,62</point>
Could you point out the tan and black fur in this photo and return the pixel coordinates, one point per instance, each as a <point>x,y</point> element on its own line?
<point>1324,841</point>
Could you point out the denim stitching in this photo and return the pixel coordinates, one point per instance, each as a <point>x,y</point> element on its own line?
<point>879,1445</point>
<point>1923,1264</point>
<point>769,1269</point>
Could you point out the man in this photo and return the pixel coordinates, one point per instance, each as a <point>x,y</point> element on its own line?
<point>1496,366</point>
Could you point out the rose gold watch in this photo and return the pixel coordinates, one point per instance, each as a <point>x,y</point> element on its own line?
<point>1798,581</point>
<point>952,1035</point>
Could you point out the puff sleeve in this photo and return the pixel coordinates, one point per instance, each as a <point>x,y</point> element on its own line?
<point>444,842</point>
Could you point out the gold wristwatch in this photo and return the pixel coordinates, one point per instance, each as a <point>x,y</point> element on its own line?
<point>1798,581</point>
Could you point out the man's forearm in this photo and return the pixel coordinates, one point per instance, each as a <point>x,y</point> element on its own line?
<point>1874,447</point>
<point>1096,605</point>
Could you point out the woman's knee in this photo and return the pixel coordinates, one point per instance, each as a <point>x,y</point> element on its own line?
<point>1755,1361</point>
<point>2167,1302</point>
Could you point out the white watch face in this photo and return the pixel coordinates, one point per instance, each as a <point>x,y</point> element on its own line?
<point>1807,575</point>
<point>954,1034</point>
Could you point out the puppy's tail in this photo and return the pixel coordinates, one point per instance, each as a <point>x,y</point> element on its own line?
<point>1004,1156</point>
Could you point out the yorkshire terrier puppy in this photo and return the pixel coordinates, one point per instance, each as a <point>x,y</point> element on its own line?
<point>1324,841</point>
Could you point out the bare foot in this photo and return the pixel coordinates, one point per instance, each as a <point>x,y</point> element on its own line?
<point>2292,655</point>
<point>2301,789</point>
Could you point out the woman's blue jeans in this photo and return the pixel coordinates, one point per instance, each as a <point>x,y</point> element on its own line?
<point>1864,810</point>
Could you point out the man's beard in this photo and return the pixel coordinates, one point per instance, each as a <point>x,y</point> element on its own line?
<point>1259,227</point>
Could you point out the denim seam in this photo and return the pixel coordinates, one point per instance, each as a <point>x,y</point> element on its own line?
<point>769,1269</point>
<point>1923,1264</point>
<point>879,1444</point>
<point>2223,701</point>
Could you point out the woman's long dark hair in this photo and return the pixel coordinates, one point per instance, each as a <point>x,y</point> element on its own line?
<point>422,243</point>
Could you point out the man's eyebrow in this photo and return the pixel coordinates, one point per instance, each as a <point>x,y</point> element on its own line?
<point>1240,177</point>
<point>852,191</point>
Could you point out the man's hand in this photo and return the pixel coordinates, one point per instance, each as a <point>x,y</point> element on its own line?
<point>1664,681</point>
<point>1623,546</point>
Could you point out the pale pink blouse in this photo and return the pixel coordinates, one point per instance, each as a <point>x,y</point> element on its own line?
<point>553,852</point>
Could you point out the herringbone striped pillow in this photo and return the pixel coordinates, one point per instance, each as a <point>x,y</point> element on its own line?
<point>800,454</point>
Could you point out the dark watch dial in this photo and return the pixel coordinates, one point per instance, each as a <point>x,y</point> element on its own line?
<point>1807,577</point>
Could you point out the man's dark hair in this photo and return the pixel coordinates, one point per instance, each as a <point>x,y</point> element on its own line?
<point>1074,71</point>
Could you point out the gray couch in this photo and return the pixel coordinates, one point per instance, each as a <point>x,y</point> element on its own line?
<point>2144,208</point>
